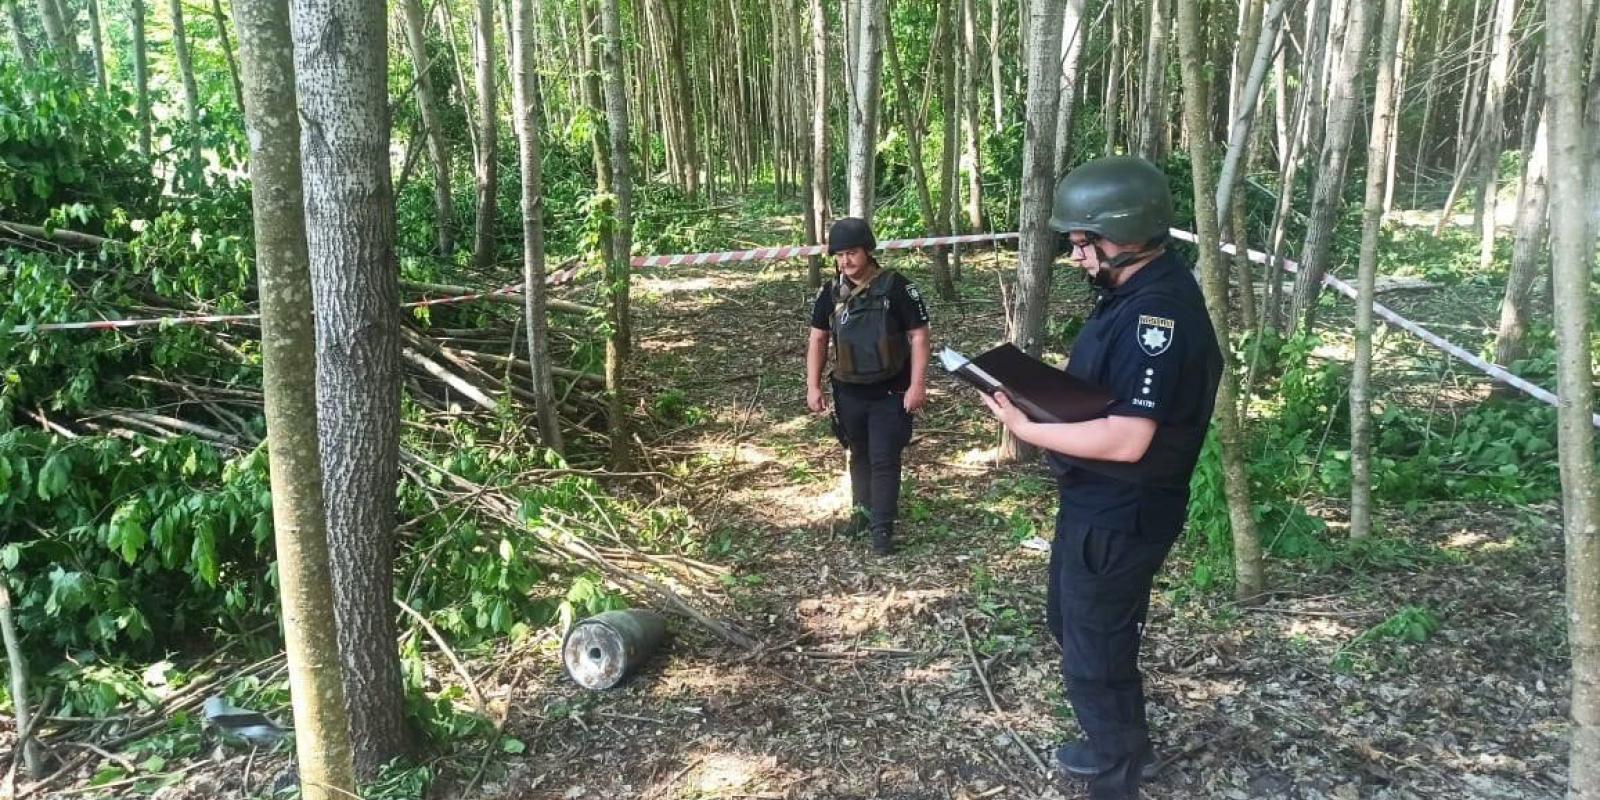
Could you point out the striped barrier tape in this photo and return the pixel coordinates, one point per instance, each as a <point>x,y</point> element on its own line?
<point>780,253</point>
<point>1492,370</point>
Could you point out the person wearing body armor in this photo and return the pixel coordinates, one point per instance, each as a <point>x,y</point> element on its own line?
<point>878,327</point>
<point>1122,479</point>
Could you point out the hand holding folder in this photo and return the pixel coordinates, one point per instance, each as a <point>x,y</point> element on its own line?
<point>1042,392</point>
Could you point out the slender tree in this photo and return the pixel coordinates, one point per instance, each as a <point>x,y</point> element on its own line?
<point>19,36</point>
<point>1153,102</point>
<point>1372,221</point>
<point>488,167</point>
<point>428,106</point>
<point>141,77</point>
<point>341,70</point>
<point>194,166</point>
<point>525,80</point>
<point>950,146</point>
<point>1248,572</point>
<point>97,44</point>
<point>289,387</point>
<point>1329,195</point>
<point>1038,246</point>
<point>1527,250</point>
<point>1572,262</point>
<point>1072,36</point>
<point>864,102</point>
<point>969,101</point>
<point>818,221</point>
<point>227,51</point>
<point>618,270</point>
<point>1492,128</point>
<point>55,32</point>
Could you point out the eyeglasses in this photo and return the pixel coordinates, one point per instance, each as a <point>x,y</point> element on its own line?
<point>1067,245</point>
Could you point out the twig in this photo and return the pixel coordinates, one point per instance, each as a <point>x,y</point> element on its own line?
<point>461,669</point>
<point>106,754</point>
<point>989,693</point>
<point>453,380</point>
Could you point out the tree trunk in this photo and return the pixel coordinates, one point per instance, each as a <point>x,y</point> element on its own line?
<point>19,36</point>
<point>618,271</point>
<point>1329,195</point>
<point>194,168</point>
<point>289,387</point>
<point>484,244</point>
<point>1493,129</point>
<point>997,92</point>
<point>222,39</point>
<point>1111,113</point>
<point>1072,36</point>
<point>1401,73</point>
<point>1250,92</point>
<point>1313,85</point>
<point>1592,125</point>
<point>1038,244</point>
<point>599,142</point>
<point>1516,309</point>
<point>1572,257</point>
<point>864,109</point>
<point>55,31</point>
<point>428,106</point>
<point>820,169</point>
<point>1248,572</point>
<point>525,82</point>
<point>97,44</point>
<point>1153,101</point>
<point>1383,106</point>
<point>908,118</point>
<point>969,90</point>
<point>948,187</point>
<point>341,73</point>
<point>33,764</point>
<point>141,77</point>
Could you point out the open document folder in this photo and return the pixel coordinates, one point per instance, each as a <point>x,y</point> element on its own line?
<point>1044,393</point>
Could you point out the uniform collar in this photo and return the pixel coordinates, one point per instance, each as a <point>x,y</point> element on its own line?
<point>1147,274</point>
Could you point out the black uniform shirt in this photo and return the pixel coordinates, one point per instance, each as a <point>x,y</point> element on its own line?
<point>1150,342</point>
<point>907,313</point>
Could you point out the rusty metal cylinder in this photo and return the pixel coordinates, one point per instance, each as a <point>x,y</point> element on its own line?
<point>599,652</point>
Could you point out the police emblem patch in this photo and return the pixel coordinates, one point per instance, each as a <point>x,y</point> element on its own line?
<point>1155,334</point>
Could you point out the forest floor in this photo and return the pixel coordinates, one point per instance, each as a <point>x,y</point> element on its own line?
<point>1431,664</point>
<point>869,686</point>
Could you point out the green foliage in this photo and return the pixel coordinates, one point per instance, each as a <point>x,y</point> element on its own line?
<point>62,142</point>
<point>1409,624</point>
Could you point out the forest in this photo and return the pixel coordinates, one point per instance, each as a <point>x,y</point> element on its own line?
<point>352,354</point>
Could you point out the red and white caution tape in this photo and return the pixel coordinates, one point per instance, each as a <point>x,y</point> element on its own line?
<point>1492,370</point>
<point>780,253</point>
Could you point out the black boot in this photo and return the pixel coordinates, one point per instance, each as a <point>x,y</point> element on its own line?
<point>1078,761</point>
<point>883,541</point>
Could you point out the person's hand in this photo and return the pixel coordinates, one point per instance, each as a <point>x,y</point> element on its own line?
<point>1009,415</point>
<point>915,398</point>
<point>816,400</point>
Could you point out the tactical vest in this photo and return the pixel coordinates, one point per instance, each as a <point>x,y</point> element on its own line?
<point>865,349</point>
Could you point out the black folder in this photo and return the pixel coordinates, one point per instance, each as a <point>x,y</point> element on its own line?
<point>1044,393</point>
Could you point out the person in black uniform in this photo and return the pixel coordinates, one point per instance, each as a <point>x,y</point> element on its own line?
<point>878,325</point>
<point>1123,479</point>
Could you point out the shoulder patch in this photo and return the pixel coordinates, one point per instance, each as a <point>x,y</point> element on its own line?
<point>1155,334</point>
<point>911,289</point>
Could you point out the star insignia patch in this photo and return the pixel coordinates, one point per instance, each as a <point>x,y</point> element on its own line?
<point>1155,334</point>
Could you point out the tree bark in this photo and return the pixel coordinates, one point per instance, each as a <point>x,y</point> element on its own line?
<point>1516,308</point>
<point>1038,243</point>
<point>55,32</point>
<point>289,388</point>
<point>908,118</point>
<point>1329,195</point>
<point>969,90</point>
<point>428,106</point>
<point>341,74</point>
<point>19,36</point>
<point>1111,112</point>
<point>864,109</point>
<point>1248,571</point>
<point>484,245</point>
<point>1572,257</point>
<point>1366,280</point>
<point>618,271</point>
<point>1492,129</point>
<point>1153,99</point>
<point>820,169</point>
<point>194,168</point>
<point>1401,73</point>
<point>948,187</point>
<point>997,92</point>
<point>97,44</point>
<point>1239,132</point>
<point>1312,84</point>
<point>526,101</point>
<point>1072,36</point>
<point>222,39</point>
<point>141,77</point>
<point>32,761</point>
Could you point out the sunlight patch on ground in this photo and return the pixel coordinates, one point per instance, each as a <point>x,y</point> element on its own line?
<point>855,614</point>
<point>1315,628</point>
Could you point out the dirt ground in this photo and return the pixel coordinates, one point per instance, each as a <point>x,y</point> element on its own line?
<point>927,674</point>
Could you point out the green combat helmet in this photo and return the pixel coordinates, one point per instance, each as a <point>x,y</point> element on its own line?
<point>1123,199</point>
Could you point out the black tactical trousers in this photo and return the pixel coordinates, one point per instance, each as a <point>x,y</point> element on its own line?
<point>875,429</point>
<point>1099,594</point>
